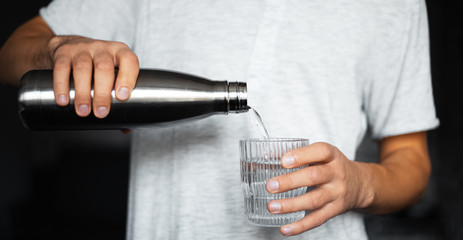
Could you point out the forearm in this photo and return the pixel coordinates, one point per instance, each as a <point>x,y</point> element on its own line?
<point>399,180</point>
<point>26,49</point>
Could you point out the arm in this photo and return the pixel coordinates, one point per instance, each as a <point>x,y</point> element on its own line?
<point>398,180</point>
<point>34,46</point>
<point>401,177</point>
<point>26,49</point>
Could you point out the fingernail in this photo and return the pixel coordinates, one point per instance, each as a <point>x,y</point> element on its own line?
<point>287,230</point>
<point>102,111</point>
<point>123,93</point>
<point>83,109</point>
<point>272,185</point>
<point>274,207</point>
<point>62,100</point>
<point>288,160</point>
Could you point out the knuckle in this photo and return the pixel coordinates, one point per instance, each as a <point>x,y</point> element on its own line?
<point>314,202</point>
<point>61,61</point>
<point>60,64</point>
<point>130,56</point>
<point>287,181</point>
<point>104,65</point>
<point>326,150</point>
<point>316,175</point>
<point>298,203</point>
<point>70,49</point>
<point>82,64</point>
<point>102,97</point>
<point>82,95</point>
<point>309,224</point>
<point>343,190</point>
<point>64,49</point>
<point>342,199</point>
<point>318,222</point>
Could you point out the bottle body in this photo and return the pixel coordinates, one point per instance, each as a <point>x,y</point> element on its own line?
<point>159,98</point>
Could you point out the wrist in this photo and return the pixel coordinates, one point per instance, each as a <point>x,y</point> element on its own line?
<point>367,194</point>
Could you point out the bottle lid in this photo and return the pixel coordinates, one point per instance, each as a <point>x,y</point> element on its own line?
<point>237,97</point>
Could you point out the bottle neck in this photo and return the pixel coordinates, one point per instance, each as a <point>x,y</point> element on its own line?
<point>237,97</point>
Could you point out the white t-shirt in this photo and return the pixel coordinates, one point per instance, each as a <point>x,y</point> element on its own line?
<point>323,70</point>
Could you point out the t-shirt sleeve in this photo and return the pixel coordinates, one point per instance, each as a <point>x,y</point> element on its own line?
<point>399,98</point>
<point>113,20</point>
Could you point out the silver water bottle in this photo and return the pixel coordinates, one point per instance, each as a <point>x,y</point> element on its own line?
<point>159,98</point>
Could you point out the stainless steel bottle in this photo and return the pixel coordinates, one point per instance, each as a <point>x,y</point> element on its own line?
<point>159,98</point>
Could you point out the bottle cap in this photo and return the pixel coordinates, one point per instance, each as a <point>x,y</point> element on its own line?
<point>237,97</point>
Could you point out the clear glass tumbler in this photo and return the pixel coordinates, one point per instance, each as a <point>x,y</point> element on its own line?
<point>260,161</point>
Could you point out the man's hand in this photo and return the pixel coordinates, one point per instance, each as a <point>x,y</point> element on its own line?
<point>34,46</point>
<point>339,186</point>
<point>86,58</point>
<point>399,179</point>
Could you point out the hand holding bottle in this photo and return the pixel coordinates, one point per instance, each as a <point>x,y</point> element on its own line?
<point>89,59</point>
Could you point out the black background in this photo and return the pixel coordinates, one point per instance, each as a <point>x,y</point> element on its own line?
<point>73,185</point>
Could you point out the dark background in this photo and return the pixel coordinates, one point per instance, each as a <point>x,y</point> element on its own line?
<point>73,185</point>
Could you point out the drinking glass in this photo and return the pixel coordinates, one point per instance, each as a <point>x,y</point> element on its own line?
<point>260,161</point>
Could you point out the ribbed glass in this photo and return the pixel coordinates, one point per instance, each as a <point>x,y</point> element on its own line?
<point>260,161</point>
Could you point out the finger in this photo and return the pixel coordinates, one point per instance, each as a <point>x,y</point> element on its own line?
<point>314,219</point>
<point>103,84</point>
<point>312,200</point>
<point>127,75</point>
<point>306,177</point>
<point>61,73</point>
<point>82,69</point>
<point>315,153</point>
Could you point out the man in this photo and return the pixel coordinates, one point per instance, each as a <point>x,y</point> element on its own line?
<point>324,70</point>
